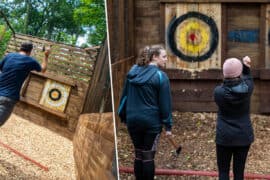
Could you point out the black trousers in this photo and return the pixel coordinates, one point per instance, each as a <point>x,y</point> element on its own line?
<point>224,156</point>
<point>145,145</point>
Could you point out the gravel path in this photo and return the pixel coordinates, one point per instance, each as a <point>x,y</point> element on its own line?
<point>38,143</point>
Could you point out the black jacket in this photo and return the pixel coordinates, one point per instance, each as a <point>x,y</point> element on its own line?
<point>234,127</point>
<point>146,99</point>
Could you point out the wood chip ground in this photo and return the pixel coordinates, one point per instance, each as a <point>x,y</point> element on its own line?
<point>196,133</point>
<point>38,143</point>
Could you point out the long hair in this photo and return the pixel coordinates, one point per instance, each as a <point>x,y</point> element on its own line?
<point>146,54</point>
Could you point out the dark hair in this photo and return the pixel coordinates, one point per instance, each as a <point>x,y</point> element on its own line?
<point>146,54</point>
<point>26,47</point>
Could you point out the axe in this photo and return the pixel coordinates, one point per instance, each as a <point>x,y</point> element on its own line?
<point>178,148</point>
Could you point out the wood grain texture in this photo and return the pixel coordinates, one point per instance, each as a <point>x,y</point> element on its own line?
<point>210,10</point>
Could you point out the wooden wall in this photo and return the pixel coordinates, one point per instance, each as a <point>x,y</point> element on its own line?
<point>68,65</point>
<point>191,90</point>
<point>94,146</point>
<point>65,60</point>
<point>121,28</point>
<point>98,98</point>
<point>119,71</point>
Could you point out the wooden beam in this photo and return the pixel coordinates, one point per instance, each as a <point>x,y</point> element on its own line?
<point>263,45</point>
<point>51,111</point>
<point>121,28</point>
<point>162,23</point>
<point>51,76</point>
<point>223,33</point>
<point>210,74</point>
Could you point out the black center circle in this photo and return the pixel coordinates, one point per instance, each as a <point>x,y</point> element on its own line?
<point>52,93</point>
<point>172,40</point>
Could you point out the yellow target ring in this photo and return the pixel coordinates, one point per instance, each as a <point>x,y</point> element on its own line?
<point>193,37</point>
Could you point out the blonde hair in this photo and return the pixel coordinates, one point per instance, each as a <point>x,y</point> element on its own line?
<point>146,54</point>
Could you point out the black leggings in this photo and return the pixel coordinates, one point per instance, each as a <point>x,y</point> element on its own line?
<point>145,145</point>
<point>224,156</point>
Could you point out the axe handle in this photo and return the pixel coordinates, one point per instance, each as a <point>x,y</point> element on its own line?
<point>172,142</point>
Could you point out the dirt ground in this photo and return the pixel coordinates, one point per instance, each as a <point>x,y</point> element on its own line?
<point>196,133</point>
<point>41,145</point>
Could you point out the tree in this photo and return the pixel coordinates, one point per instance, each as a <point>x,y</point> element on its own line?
<point>5,36</point>
<point>91,13</point>
<point>58,20</point>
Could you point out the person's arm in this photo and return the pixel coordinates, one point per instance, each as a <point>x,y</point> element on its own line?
<point>44,63</point>
<point>247,76</point>
<point>123,101</point>
<point>165,103</point>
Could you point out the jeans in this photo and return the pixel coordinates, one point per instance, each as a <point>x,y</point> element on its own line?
<point>6,108</point>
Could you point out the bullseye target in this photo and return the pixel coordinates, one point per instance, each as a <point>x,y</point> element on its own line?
<point>55,95</point>
<point>193,37</point>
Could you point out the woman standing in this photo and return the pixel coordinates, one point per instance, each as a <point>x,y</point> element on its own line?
<point>145,106</point>
<point>234,132</point>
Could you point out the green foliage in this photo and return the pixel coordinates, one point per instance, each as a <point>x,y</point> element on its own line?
<point>5,37</point>
<point>92,13</point>
<point>57,20</point>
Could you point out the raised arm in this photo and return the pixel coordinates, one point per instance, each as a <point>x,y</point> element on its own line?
<point>44,64</point>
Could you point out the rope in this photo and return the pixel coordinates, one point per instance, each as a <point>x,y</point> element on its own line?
<point>24,156</point>
<point>176,172</point>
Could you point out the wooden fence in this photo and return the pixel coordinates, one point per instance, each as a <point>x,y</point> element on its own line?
<point>65,60</point>
<point>119,71</point>
<point>68,78</point>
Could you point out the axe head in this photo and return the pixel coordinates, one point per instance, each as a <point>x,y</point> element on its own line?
<point>178,150</point>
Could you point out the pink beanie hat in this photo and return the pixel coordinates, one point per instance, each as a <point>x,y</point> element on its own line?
<point>232,68</point>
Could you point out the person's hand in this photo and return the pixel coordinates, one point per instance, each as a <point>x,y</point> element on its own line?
<point>168,133</point>
<point>47,51</point>
<point>247,61</point>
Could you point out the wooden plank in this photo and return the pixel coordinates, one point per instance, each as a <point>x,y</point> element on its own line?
<point>264,105</point>
<point>21,37</point>
<point>121,29</point>
<point>263,37</point>
<point>211,74</point>
<point>196,95</point>
<point>267,40</point>
<point>236,13</point>
<point>69,73</point>
<point>25,85</point>
<point>100,84</point>
<point>265,74</point>
<point>147,8</point>
<point>70,56</point>
<point>239,50</point>
<point>195,106</point>
<point>60,79</point>
<point>162,35</point>
<point>224,32</point>
<point>131,50</point>
<point>122,61</point>
<point>59,114</point>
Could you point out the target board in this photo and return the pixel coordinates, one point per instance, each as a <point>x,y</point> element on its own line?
<point>193,35</point>
<point>55,95</point>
